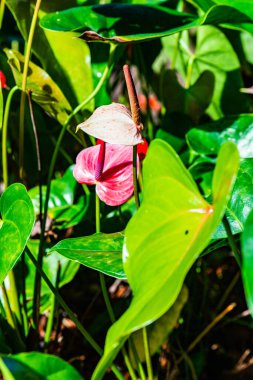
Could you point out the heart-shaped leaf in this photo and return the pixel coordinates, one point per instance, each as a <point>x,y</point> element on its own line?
<point>17,222</point>
<point>102,252</point>
<point>45,91</point>
<point>172,227</point>
<point>35,365</point>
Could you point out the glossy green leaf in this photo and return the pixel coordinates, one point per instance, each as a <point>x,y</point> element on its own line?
<point>247,261</point>
<point>71,70</point>
<point>121,23</point>
<point>62,206</point>
<point>37,366</point>
<point>17,222</point>
<point>45,92</point>
<point>159,331</point>
<point>192,101</point>
<point>102,252</point>
<point>207,139</point>
<point>163,239</point>
<point>51,261</point>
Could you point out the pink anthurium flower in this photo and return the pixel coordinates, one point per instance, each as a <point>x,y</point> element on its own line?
<point>113,124</point>
<point>110,168</point>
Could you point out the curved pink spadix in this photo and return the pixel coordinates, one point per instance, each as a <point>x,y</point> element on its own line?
<point>115,185</point>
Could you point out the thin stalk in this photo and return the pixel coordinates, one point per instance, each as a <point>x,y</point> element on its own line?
<point>106,296</point>
<point>231,241</point>
<point>147,353</point>
<point>175,52</point>
<point>13,297</point>
<point>206,330</point>
<point>50,322</point>
<point>52,166</point>
<point>23,88</point>
<point>137,360</point>
<point>9,314</point>
<point>189,72</point>
<point>135,177</point>
<point>70,313</point>
<point>2,8</point>
<point>4,135</point>
<point>23,292</point>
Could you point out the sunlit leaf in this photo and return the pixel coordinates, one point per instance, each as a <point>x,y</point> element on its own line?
<point>35,365</point>
<point>207,139</point>
<point>163,239</point>
<point>71,71</point>
<point>45,92</point>
<point>17,222</point>
<point>102,252</point>
<point>247,261</point>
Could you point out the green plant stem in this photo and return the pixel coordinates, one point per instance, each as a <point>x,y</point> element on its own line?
<point>4,135</point>
<point>189,72</point>
<point>208,328</point>
<point>9,314</point>
<point>2,8</point>
<point>147,353</point>
<point>106,296</point>
<point>231,241</point>
<point>137,360</point>
<point>175,52</point>
<point>23,88</point>
<point>13,296</point>
<point>70,313</point>
<point>50,175</point>
<point>50,321</point>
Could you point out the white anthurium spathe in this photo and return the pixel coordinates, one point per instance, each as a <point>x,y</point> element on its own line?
<point>113,124</point>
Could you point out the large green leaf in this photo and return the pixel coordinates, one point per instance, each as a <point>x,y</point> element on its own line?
<point>121,23</point>
<point>37,366</point>
<point>64,58</point>
<point>17,222</point>
<point>62,206</point>
<point>247,261</point>
<point>207,139</point>
<point>172,227</point>
<point>102,252</point>
<point>45,92</point>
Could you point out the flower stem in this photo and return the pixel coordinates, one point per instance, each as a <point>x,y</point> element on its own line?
<point>231,241</point>
<point>23,88</point>
<point>147,353</point>
<point>135,177</point>
<point>2,8</point>
<point>50,321</point>
<point>72,316</point>
<point>4,135</point>
<point>52,166</point>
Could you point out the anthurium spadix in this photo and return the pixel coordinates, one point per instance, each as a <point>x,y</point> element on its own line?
<point>163,239</point>
<point>113,124</point>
